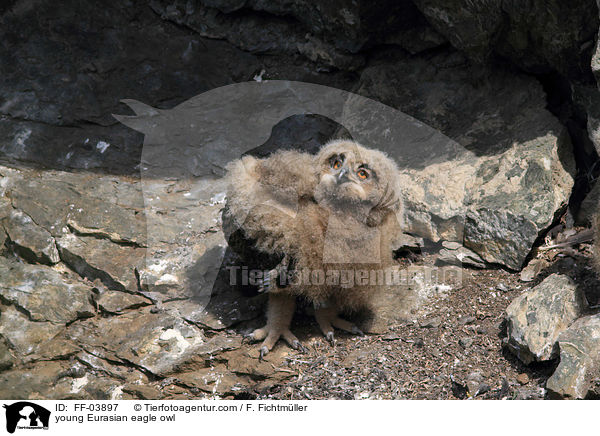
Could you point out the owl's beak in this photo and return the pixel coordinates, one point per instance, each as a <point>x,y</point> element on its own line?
<point>343,176</point>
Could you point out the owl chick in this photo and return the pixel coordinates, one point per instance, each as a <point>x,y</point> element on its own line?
<point>322,226</point>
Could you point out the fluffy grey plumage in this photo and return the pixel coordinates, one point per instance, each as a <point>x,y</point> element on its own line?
<point>323,218</point>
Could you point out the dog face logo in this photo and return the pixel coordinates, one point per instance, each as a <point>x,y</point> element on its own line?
<point>26,415</point>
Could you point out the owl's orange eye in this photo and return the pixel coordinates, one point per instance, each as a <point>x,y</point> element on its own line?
<point>363,174</point>
<point>336,165</point>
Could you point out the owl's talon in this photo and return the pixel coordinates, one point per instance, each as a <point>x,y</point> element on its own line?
<point>330,338</point>
<point>263,352</point>
<point>356,331</point>
<point>327,319</point>
<point>303,349</point>
<point>297,345</point>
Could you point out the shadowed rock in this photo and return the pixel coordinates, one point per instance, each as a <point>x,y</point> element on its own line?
<point>539,36</point>
<point>6,358</point>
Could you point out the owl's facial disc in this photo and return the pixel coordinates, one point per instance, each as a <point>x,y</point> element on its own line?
<point>344,180</point>
<point>353,178</point>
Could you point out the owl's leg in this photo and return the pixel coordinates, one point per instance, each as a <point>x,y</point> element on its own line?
<point>279,317</point>
<point>327,318</point>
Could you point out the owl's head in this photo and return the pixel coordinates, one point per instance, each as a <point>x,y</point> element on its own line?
<point>350,176</point>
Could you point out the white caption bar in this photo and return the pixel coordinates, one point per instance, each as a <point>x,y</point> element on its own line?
<point>89,418</point>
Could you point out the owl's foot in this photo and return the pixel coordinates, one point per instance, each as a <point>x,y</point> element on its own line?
<point>279,318</point>
<point>271,336</point>
<point>327,318</point>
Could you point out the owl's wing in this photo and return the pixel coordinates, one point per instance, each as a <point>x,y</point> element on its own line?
<point>263,197</point>
<point>288,176</point>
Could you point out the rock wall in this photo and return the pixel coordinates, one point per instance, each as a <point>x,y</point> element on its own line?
<point>484,74</point>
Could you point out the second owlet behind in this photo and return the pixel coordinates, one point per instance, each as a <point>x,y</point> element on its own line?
<point>321,226</point>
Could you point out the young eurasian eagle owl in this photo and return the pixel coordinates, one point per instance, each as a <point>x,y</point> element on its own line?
<point>322,225</point>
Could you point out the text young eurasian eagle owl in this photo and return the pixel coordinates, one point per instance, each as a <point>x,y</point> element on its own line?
<point>324,223</point>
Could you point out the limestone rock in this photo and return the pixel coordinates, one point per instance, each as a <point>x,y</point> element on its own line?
<point>536,318</point>
<point>106,208</point>
<point>95,258</point>
<point>455,254</point>
<point>25,336</point>
<point>329,33</point>
<point>56,348</point>
<point>142,392</point>
<point>517,200</point>
<point>20,383</point>
<point>116,302</point>
<point>223,310</point>
<point>496,189</point>
<point>5,206</point>
<point>31,241</point>
<point>579,359</point>
<point>60,380</point>
<point>118,371</point>
<point>79,85</point>
<point>216,380</point>
<point>185,243</point>
<point>405,241</point>
<point>44,294</point>
<point>157,342</point>
<point>532,269</point>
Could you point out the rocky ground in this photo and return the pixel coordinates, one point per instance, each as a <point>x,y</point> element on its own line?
<point>86,311</point>
<point>455,349</point>
<point>114,270</point>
